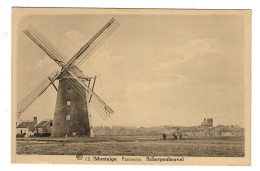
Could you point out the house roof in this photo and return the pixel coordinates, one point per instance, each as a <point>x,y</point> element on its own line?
<point>30,125</point>
<point>41,124</point>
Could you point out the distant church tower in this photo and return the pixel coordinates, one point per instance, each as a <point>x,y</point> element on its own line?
<point>208,122</point>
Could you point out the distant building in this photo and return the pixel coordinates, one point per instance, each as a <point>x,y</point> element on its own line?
<point>27,127</point>
<point>226,134</point>
<point>208,122</point>
<point>44,127</point>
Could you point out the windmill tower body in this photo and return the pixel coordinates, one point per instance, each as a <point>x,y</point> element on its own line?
<point>71,112</point>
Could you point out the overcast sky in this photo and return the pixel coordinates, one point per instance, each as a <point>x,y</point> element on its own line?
<point>153,70</point>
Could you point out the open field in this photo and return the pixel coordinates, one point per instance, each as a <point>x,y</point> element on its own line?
<point>132,146</point>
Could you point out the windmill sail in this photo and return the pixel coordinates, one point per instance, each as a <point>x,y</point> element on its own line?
<point>25,103</point>
<point>79,58</point>
<point>77,87</point>
<point>92,44</point>
<point>46,46</point>
<point>97,41</point>
<point>97,103</point>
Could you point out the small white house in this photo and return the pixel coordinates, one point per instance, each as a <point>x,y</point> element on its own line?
<point>26,127</point>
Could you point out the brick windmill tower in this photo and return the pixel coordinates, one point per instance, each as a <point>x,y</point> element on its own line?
<point>75,91</point>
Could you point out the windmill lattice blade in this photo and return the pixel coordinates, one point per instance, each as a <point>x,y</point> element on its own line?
<point>96,43</point>
<point>45,45</point>
<point>92,43</point>
<point>95,98</point>
<point>77,87</point>
<point>25,103</point>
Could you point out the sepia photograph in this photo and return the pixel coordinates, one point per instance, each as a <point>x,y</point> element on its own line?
<point>131,86</point>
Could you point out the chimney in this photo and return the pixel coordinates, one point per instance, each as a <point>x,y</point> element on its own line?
<point>35,119</point>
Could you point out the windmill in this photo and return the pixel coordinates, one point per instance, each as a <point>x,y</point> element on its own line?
<point>74,93</point>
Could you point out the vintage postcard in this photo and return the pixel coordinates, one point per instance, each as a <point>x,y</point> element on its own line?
<point>131,86</point>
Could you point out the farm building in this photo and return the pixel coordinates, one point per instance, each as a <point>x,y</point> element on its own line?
<point>44,127</point>
<point>226,134</point>
<point>208,122</point>
<point>27,127</point>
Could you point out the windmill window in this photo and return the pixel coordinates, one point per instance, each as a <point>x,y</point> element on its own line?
<point>68,102</point>
<point>67,117</point>
<point>51,124</point>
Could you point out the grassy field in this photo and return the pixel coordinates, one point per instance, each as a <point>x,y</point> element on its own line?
<point>132,146</point>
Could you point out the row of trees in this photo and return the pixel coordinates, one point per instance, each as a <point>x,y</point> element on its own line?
<point>186,131</point>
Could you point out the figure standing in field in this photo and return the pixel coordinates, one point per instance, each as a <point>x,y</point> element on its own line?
<point>174,136</point>
<point>164,136</point>
<point>180,136</point>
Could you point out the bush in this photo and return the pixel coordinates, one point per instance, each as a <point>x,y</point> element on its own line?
<point>42,135</point>
<point>20,135</point>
